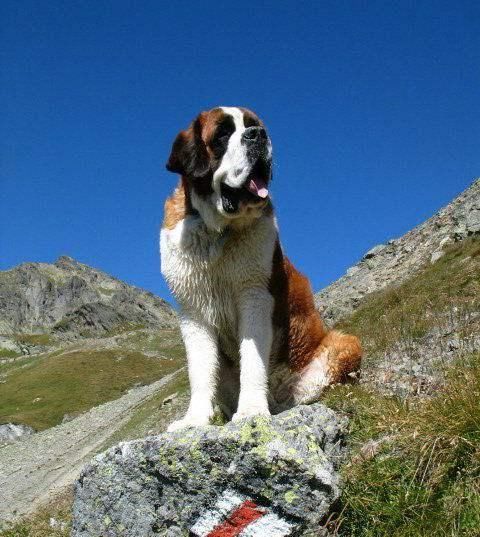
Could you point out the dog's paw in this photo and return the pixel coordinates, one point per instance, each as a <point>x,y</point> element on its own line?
<point>188,422</point>
<point>251,412</point>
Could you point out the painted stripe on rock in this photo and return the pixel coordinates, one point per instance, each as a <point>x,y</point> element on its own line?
<point>244,515</point>
<point>269,525</point>
<point>225,505</point>
<point>237,515</point>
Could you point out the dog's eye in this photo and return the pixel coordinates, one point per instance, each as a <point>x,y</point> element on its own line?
<point>223,133</point>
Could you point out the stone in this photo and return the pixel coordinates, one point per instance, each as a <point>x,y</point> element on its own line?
<point>436,256</point>
<point>70,300</point>
<point>374,251</point>
<point>9,432</point>
<point>281,471</point>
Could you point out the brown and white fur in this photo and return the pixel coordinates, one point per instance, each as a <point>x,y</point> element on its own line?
<point>254,340</point>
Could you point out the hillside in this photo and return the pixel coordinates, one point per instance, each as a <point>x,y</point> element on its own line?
<point>399,259</point>
<point>69,299</point>
<point>73,337</point>
<point>413,465</point>
<point>81,355</point>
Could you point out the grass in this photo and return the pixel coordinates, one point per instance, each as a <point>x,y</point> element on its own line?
<point>154,415</point>
<point>423,477</point>
<point>39,524</point>
<point>44,390</point>
<point>443,294</point>
<point>34,339</point>
<point>8,353</point>
<point>414,469</point>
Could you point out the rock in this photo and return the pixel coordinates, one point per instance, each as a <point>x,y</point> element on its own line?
<point>57,524</point>
<point>169,399</point>
<point>280,471</point>
<point>374,251</point>
<point>9,432</point>
<point>400,258</point>
<point>436,256</point>
<point>70,300</point>
<point>69,416</point>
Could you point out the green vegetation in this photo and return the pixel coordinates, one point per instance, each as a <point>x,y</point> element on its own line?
<point>8,353</point>
<point>34,339</point>
<point>414,469</point>
<point>445,292</point>
<point>43,390</point>
<point>422,476</point>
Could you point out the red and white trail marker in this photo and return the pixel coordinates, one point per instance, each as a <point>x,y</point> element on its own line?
<point>236,515</point>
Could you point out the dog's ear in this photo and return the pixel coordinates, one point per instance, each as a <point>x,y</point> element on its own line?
<point>189,154</point>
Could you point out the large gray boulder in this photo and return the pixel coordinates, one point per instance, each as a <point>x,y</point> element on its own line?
<point>271,477</point>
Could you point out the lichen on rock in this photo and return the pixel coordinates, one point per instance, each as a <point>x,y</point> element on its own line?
<point>286,466</point>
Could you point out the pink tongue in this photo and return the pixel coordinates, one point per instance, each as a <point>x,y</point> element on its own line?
<point>258,187</point>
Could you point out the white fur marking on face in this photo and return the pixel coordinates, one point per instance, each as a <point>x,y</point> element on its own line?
<point>234,168</point>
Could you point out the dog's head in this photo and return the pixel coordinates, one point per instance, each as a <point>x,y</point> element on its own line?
<point>225,157</point>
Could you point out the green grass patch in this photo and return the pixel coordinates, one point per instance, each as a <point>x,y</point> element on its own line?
<point>34,339</point>
<point>423,478</point>
<point>442,294</point>
<point>122,328</point>
<point>8,353</point>
<point>41,392</point>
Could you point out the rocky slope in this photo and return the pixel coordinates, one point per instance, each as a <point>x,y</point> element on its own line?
<point>399,259</point>
<point>71,300</point>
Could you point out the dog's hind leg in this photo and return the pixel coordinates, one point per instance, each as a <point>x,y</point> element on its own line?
<point>336,360</point>
<point>344,355</point>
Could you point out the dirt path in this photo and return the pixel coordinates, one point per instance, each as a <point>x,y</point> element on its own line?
<point>33,469</point>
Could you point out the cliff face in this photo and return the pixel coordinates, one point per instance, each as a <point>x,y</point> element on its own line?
<point>399,259</point>
<point>71,299</point>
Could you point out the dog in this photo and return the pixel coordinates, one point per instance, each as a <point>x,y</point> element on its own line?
<point>254,341</point>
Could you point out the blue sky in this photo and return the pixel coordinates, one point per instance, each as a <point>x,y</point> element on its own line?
<point>373,109</point>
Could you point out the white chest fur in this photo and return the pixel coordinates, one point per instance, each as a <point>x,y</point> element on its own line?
<point>208,271</point>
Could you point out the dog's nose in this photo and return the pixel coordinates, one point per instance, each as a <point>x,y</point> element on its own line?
<point>254,134</point>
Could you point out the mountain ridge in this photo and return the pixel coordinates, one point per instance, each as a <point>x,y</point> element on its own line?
<point>398,259</point>
<point>71,299</point>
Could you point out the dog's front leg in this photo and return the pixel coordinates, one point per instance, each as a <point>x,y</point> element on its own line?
<point>202,355</point>
<point>256,307</point>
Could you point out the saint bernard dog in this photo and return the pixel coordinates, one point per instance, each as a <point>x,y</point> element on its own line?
<point>255,343</point>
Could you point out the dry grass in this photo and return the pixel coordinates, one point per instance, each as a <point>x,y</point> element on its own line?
<point>444,296</point>
<point>53,520</point>
<point>415,464</point>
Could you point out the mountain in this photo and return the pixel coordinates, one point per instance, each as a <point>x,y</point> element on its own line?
<point>398,259</point>
<point>73,337</point>
<point>70,300</point>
